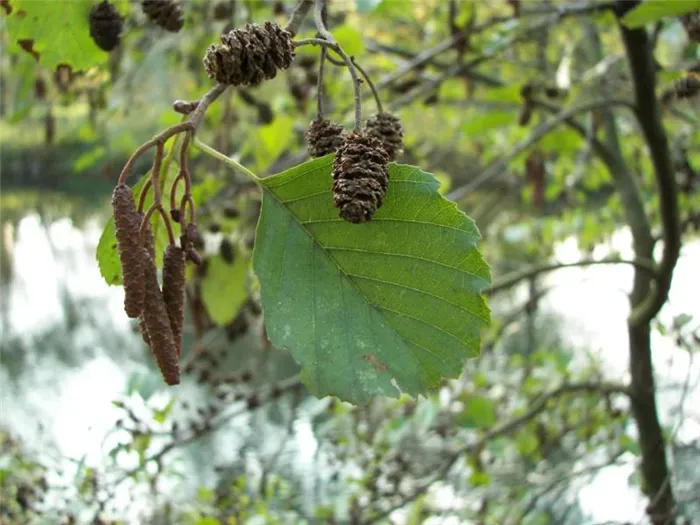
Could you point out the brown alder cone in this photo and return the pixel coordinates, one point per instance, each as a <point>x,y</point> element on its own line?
<point>388,129</point>
<point>131,255</point>
<point>324,137</point>
<point>360,177</point>
<point>174,291</point>
<point>157,322</point>
<point>249,55</point>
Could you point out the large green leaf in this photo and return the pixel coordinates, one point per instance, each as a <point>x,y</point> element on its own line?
<point>59,30</point>
<point>389,306</point>
<point>653,10</point>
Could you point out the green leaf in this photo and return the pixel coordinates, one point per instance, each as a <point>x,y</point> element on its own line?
<point>478,413</point>
<point>385,307</point>
<point>479,479</point>
<point>350,40</point>
<point>487,122</point>
<point>60,32</point>
<point>223,288</point>
<point>653,10</point>
<point>629,444</point>
<point>207,521</point>
<point>271,140</point>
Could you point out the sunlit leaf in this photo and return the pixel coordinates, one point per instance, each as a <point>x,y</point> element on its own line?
<point>223,288</point>
<point>59,31</point>
<point>653,10</point>
<point>385,307</point>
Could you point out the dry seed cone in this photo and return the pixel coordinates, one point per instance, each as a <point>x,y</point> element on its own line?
<point>691,22</point>
<point>105,25</point>
<point>166,13</point>
<point>324,137</point>
<point>388,129</point>
<point>174,291</point>
<point>131,255</point>
<point>360,177</point>
<point>249,55</point>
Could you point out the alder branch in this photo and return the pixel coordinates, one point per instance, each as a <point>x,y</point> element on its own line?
<point>423,58</point>
<point>648,114</point>
<point>537,407</point>
<point>298,15</point>
<point>514,278</point>
<point>498,167</point>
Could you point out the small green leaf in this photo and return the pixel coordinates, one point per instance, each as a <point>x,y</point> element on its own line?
<point>479,479</point>
<point>271,140</point>
<point>208,520</point>
<point>653,10</point>
<point>350,40</point>
<point>487,122</point>
<point>160,415</point>
<point>389,306</point>
<point>629,444</point>
<point>223,288</point>
<point>59,30</point>
<point>478,413</point>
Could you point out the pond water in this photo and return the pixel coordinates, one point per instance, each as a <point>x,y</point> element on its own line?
<point>68,351</point>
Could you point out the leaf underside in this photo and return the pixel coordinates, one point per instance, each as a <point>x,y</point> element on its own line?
<point>387,307</point>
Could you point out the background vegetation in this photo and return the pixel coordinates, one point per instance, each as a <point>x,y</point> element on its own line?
<point>595,163</point>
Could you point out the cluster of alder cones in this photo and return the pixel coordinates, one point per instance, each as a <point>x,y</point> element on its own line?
<point>106,24</point>
<point>249,55</point>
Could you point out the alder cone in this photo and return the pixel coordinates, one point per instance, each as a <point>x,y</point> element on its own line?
<point>174,291</point>
<point>324,137</point>
<point>360,177</point>
<point>166,13</point>
<point>388,130</point>
<point>157,321</point>
<point>133,260</point>
<point>105,25</point>
<point>691,22</point>
<point>687,87</point>
<point>249,55</point>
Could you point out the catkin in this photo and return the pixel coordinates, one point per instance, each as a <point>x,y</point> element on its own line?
<point>174,291</point>
<point>157,322</point>
<point>131,255</point>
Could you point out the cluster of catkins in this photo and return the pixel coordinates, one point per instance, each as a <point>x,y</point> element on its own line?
<point>360,175</point>
<point>106,23</point>
<point>160,312</point>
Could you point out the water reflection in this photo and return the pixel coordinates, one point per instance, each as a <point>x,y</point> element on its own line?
<point>68,350</point>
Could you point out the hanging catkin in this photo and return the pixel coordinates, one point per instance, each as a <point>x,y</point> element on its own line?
<point>131,255</point>
<point>157,322</point>
<point>174,291</point>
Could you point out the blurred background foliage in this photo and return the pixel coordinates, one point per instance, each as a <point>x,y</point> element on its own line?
<point>532,424</point>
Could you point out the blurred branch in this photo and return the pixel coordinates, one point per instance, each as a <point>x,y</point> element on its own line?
<point>498,167</point>
<point>298,15</point>
<point>539,405</point>
<point>424,57</point>
<point>514,278</point>
<point>648,114</point>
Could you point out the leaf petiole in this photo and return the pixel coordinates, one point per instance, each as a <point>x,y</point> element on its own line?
<point>204,148</point>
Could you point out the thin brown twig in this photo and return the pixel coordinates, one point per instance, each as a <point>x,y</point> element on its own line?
<point>159,139</point>
<point>323,31</point>
<point>319,88</point>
